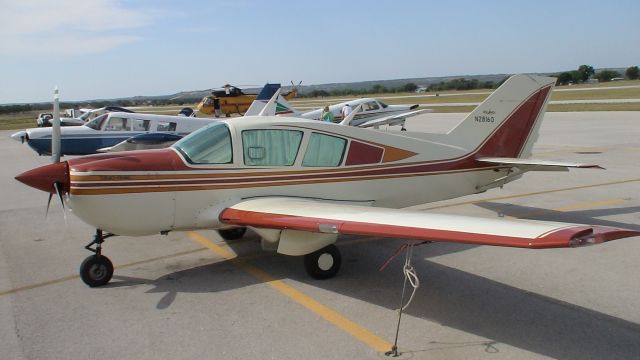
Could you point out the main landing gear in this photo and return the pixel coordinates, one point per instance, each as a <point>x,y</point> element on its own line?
<point>97,269</point>
<point>324,263</point>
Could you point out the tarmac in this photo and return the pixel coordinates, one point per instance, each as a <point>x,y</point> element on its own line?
<point>189,295</point>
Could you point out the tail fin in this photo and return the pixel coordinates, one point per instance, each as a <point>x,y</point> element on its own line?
<point>506,124</point>
<point>262,99</point>
<point>284,108</point>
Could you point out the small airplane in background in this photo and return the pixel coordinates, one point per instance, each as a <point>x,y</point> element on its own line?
<point>232,100</point>
<point>300,183</point>
<point>108,130</point>
<point>125,131</point>
<point>367,112</point>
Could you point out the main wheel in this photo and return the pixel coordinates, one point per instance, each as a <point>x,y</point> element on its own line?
<point>233,233</point>
<point>323,263</point>
<point>96,270</point>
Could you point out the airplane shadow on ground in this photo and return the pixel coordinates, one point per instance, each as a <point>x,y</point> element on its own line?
<point>500,313</point>
<point>591,217</point>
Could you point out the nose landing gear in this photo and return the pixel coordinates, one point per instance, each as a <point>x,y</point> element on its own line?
<point>96,270</point>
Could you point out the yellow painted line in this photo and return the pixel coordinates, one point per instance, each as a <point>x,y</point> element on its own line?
<point>527,194</point>
<point>348,326</point>
<point>72,277</point>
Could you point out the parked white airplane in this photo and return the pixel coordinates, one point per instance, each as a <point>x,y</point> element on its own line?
<point>300,183</point>
<point>367,112</point>
<point>110,129</point>
<point>125,131</point>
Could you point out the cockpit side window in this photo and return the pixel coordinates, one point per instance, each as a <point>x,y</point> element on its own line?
<point>208,145</point>
<point>96,123</point>
<point>117,124</point>
<point>270,147</point>
<point>370,106</point>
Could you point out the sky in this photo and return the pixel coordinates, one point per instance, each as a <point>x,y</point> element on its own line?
<point>101,49</point>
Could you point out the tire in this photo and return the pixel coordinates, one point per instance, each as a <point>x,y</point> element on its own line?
<point>323,263</point>
<point>96,270</point>
<point>233,233</point>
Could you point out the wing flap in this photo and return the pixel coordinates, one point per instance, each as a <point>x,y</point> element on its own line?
<point>346,219</point>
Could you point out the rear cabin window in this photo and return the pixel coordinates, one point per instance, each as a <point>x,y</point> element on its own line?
<point>270,147</point>
<point>324,150</point>
<point>140,125</point>
<point>166,126</point>
<point>208,145</point>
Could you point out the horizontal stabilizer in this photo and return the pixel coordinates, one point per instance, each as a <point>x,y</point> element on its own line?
<point>536,165</point>
<point>324,217</point>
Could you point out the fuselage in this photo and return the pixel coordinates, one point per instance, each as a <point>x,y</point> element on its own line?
<point>146,192</point>
<point>108,130</point>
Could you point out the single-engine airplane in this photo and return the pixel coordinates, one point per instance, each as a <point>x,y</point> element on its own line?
<point>367,112</point>
<point>300,183</point>
<point>110,129</point>
<point>125,131</point>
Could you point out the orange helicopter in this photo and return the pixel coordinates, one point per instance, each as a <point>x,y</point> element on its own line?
<point>231,99</point>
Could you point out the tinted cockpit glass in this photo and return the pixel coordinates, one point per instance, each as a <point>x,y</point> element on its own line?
<point>96,123</point>
<point>209,145</point>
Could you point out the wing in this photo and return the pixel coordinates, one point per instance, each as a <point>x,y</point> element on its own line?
<point>337,218</point>
<point>143,142</point>
<point>393,119</point>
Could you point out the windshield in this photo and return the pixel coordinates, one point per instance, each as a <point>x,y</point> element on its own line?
<point>209,145</point>
<point>383,104</point>
<point>96,123</point>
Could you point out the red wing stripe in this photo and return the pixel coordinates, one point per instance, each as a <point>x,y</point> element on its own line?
<point>572,235</point>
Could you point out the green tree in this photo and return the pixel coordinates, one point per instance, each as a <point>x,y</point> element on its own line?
<point>585,72</point>
<point>410,87</point>
<point>564,78</point>
<point>632,73</point>
<point>606,75</point>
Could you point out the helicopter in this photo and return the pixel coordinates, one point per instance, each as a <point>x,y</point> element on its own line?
<point>232,100</point>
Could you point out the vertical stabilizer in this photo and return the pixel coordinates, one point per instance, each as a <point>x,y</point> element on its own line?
<point>506,124</point>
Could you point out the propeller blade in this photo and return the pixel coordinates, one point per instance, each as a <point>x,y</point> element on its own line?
<point>55,130</point>
<point>56,186</point>
<point>48,204</point>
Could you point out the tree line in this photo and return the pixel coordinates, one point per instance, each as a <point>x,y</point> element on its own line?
<point>454,84</point>
<point>586,72</point>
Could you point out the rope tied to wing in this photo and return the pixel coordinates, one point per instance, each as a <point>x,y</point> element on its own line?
<point>411,277</point>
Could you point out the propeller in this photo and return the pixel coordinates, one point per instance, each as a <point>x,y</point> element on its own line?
<point>55,127</point>
<point>56,152</point>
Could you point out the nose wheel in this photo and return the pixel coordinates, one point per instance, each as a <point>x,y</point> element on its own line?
<point>96,270</point>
